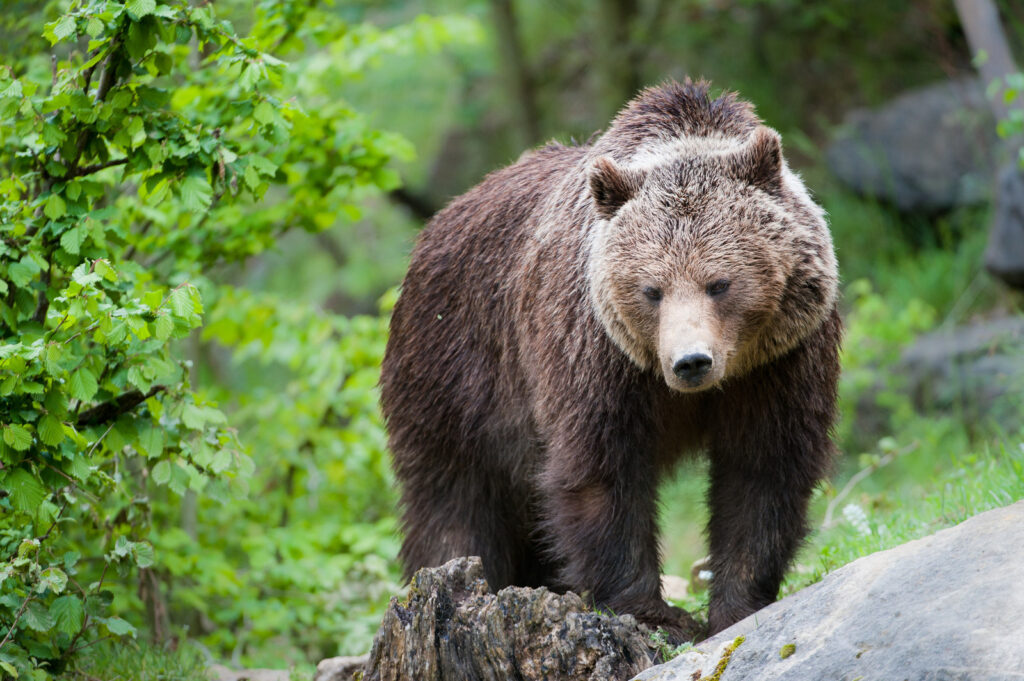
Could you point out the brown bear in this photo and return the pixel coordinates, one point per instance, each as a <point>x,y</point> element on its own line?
<point>578,321</point>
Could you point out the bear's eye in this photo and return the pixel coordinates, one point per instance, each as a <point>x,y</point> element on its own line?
<point>652,294</point>
<point>717,288</point>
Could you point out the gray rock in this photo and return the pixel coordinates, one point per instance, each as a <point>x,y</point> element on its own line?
<point>976,371</point>
<point>222,673</point>
<point>452,628</point>
<point>946,607</point>
<point>346,668</point>
<point>926,151</point>
<point>1004,257</point>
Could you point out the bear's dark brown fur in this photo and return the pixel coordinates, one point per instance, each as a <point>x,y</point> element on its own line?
<point>578,321</point>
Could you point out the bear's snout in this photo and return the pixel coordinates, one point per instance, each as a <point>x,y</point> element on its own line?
<point>692,367</point>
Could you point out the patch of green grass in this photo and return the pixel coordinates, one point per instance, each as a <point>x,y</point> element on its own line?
<point>140,662</point>
<point>667,651</point>
<point>878,518</point>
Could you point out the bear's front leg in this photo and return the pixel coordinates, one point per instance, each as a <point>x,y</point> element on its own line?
<point>770,447</point>
<point>600,523</point>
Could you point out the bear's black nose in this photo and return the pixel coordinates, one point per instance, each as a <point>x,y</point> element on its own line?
<point>692,368</point>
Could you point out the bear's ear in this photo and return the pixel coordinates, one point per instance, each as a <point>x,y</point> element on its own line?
<point>611,186</point>
<point>759,161</point>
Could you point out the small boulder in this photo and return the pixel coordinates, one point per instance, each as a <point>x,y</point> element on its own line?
<point>674,588</point>
<point>345,668</point>
<point>975,370</point>
<point>1004,257</point>
<point>219,672</point>
<point>927,150</point>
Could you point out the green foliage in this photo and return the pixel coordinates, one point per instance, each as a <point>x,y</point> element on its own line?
<point>876,331</point>
<point>312,549</point>
<point>134,661</point>
<point>156,144</point>
<point>664,650</point>
<point>1010,90</point>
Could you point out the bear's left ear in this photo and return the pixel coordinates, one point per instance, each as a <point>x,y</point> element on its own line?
<point>759,161</point>
<point>612,186</point>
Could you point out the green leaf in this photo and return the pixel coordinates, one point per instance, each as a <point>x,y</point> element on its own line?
<point>144,555</point>
<point>38,617</point>
<point>55,207</point>
<point>83,385</point>
<point>163,326</point>
<point>50,429</point>
<point>21,273</point>
<point>68,614</point>
<point>252,178</point>
<point>26,492</point>
<point>103,268</point>
<point>64,27</point>
<point>194,417</point>
<point>94,27</point>
<point>264,112</point>
<point>152,441</point>
<point>221,461</point>
<point>140,8</point>
<point>181,302</point>
<point>17,436</point>
<point>138,379</point>
<point>161,472</point>
<point>14,90</point>
<point>119,627</point>
<point>196,192</point>
<point>71,240</point>
<point>52,578</point>
<point>78,468</point>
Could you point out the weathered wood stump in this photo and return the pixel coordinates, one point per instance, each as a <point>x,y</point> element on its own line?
<point>453,628</point>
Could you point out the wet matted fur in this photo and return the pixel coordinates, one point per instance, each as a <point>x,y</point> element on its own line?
<point>536,385</point>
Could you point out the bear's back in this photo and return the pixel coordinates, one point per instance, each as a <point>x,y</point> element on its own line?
<point>452,342</point>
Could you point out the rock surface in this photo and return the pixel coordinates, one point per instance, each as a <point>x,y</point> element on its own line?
<point>948,606</point>
<point>346,668</point>
<point>1004,257</point>
<point>453,628</point>
<point>221,673</point>
<point>975,370</point>
<point>927,150</point>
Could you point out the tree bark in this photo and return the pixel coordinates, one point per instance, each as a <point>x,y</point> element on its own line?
<point>523,91</point>
<point>452,628</point>
<point>1004,256</point>
<point>980,20</point>
<point>618,59</point>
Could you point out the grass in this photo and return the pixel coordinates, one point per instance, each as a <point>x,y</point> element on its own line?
<point>140,662</point>
<point>878,517</point>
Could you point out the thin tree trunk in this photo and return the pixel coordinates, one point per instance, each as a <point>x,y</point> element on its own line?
<point>523,91</point>
<point>1004,256</point>
<point>617,58</point>
<point>980,19</point>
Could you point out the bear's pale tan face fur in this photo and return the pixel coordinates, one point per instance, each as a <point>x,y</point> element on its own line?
<point>704,256</point>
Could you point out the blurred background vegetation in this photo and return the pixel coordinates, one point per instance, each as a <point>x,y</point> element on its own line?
<point>207,208</point>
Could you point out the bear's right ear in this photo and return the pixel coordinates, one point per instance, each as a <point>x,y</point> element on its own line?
<point>611,186</point>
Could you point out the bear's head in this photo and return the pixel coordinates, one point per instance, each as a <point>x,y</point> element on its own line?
<point>708,257</point>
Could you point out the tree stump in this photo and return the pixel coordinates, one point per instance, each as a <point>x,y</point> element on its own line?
<point>452,628</point>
